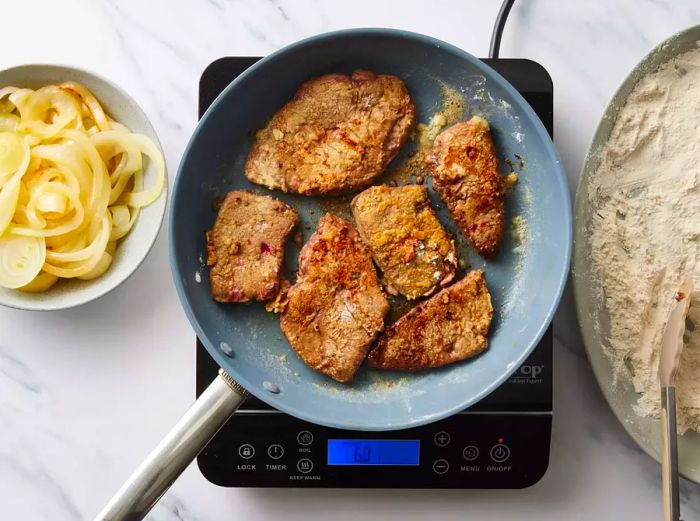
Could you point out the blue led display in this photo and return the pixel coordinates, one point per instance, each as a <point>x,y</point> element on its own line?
<point>373,452</point>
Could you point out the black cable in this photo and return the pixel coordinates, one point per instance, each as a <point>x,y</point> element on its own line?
<point>497,33</point>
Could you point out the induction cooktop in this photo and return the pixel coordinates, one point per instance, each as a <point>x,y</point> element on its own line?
<point>502,441</point>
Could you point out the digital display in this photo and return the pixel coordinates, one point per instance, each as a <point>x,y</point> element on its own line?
<point>373,452</point>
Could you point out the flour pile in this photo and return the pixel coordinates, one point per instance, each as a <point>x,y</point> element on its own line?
<point>646,230</point>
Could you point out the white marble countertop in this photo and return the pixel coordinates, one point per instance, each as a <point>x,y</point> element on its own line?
<point>86,393</point>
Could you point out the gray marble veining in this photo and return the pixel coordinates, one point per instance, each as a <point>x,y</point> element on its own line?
<point>85,394</point>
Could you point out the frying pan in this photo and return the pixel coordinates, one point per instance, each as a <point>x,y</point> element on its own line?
<point>525,280</point>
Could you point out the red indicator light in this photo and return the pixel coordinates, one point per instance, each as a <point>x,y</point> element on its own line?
<point>500,440</point>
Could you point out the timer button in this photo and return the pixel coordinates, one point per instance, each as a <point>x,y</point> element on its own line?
<point>500,453</point>
<point>441,439</point>
<point>440,466</point>
<point>275,451</point>
<point>470,453</point>
<point>305,438</point>
<point>305,465</point>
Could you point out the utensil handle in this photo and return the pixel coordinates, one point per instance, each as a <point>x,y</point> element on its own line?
<point>669,460</point>
<point>176,451</point>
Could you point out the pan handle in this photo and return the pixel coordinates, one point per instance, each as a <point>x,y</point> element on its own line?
<point>176,451</point>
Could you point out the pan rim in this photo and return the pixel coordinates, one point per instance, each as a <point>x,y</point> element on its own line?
<point>559,275</point>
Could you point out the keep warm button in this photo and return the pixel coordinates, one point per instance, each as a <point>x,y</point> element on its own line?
<point>500,453</point>
<point>305,465</point>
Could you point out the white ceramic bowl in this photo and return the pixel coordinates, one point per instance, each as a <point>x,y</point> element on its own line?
<point>132,250</point>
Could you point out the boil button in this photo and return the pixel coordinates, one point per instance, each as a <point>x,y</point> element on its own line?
<point>305,438</point>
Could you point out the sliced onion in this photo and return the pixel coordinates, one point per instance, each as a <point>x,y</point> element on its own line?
<point>90,102</point>
<point>8,122</point>
<point>36,107</point>
<point>111,143</point>
<point>9,193</point>
<point>70,241</point>
<point>97,246</point>
<point>102,265</point>
<point>52,203</point>
<point>71,223</point>
<point>147,196</point>
<point>41,283</point>
<point>122,220</point>
<point>6,106</point>
<point>82,267</point>
<point>21,259</point>
<point>100,180</point>
<point>12,153</point>
<point>71,181</point>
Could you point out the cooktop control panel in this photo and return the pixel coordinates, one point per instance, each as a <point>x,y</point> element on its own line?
<point>500,442</point>
<point>468,450</point>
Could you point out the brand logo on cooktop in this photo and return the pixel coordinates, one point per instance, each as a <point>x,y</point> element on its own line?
<point>528,374</point>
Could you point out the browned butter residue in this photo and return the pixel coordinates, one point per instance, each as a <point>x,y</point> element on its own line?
<point>216,203</point>
<point>414,166</point>
<point>509,181</point>
<point>453,104</point>
<point>518,231</point>
<point>399,306</point>
<point>452,110</point>
<point>339,205</point>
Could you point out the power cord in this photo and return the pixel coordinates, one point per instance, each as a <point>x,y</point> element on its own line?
<point>497,33</point>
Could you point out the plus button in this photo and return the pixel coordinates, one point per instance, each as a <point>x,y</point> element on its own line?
<point>441,439</point>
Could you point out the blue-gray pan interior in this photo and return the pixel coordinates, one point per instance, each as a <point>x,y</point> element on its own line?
<point>526,279</point>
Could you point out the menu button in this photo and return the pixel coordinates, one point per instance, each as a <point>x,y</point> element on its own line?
<point>470,453</point>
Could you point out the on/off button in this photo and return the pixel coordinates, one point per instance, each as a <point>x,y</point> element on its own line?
<point>500,453</point>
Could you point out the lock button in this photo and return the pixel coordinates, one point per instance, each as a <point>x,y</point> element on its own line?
<point>246,451</point>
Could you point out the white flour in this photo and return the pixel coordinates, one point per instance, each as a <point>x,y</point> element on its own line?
<point>646,230</point>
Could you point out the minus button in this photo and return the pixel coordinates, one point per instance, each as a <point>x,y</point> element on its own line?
<point>440,466</point>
